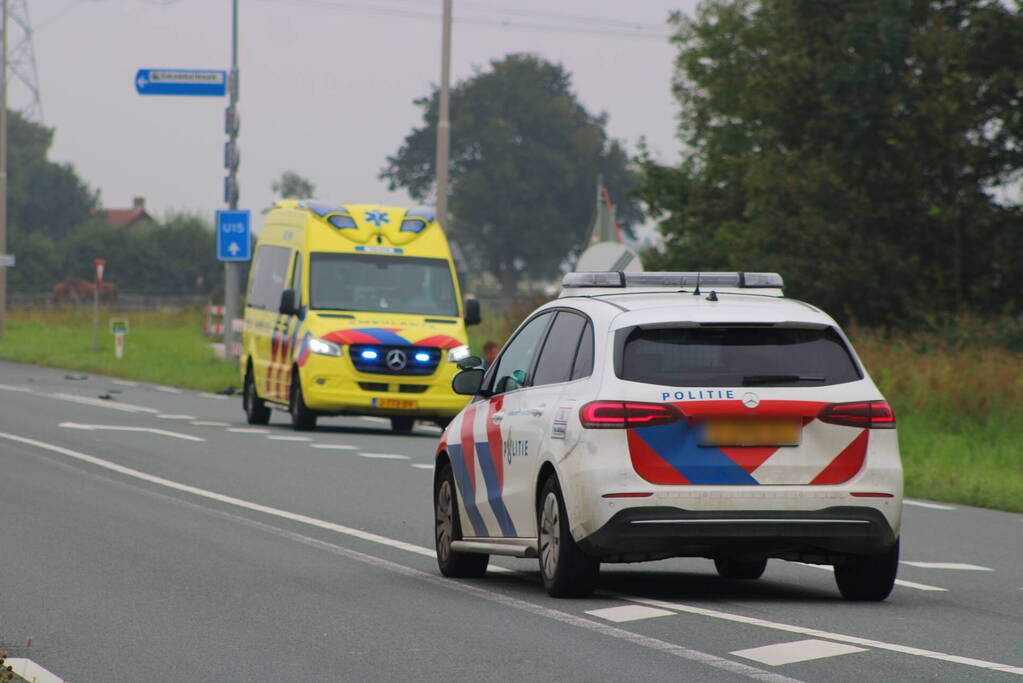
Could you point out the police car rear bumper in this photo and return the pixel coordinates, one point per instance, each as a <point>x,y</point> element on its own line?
<point>646,533</point>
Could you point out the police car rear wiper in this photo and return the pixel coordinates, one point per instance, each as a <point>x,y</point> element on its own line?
<point>771,379</point>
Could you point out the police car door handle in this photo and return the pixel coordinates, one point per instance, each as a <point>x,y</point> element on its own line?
<point>537,411</point>
<point>497,417</point>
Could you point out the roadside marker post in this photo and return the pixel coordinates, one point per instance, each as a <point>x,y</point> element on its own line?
<point>119,328</point>
<point>100,265</point>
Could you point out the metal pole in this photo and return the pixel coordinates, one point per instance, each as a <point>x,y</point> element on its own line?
<point>443,120</point>
<point>3,166</point>
<point>232,296</point>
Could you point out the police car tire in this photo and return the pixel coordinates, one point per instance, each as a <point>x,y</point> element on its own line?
<point>868,578</point>
<point>256,410</point>
<point>402,424</point>
<point>447,528</point>
<point>566,570</point>
<point>302,419</point>
<point>739,569</point>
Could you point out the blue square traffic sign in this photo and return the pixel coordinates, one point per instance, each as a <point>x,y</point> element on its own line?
<point>234,241</point>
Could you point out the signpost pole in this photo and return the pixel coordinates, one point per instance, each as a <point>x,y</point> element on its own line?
<point>232,270</point>
<point>99,263</point>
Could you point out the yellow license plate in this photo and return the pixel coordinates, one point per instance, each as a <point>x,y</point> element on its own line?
<point>751,433</point>
<point>395,403</point>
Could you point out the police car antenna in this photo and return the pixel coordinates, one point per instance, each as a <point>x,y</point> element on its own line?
<point>697,290</point>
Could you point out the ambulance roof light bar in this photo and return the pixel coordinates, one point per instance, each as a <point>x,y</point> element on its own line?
<point>742,280</point>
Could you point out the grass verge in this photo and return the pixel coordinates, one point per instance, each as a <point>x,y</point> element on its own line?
<point>162,347</point>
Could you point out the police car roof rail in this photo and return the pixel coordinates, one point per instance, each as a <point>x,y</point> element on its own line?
<point>682,280</point>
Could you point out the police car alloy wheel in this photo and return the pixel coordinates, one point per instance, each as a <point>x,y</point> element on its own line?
<point>447,529</point>
<point>567,572</point>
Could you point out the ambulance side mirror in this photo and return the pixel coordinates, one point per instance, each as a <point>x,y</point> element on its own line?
<point>468,382</point>
<point>472,312</point>
<point>289,303</point>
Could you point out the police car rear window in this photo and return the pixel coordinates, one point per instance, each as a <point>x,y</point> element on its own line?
<point>736,356</point>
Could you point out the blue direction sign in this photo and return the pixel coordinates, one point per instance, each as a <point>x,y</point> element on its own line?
<point>234,242</point>
<point>181,82</point>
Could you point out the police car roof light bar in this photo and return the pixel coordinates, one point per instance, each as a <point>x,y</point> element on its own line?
<point>680,280</point>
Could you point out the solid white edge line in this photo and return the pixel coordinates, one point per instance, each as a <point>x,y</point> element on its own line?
<point>335,446</point>
<point>960,566</point>
<point>282,437</point>
<point>31,671</point>
<point>839,637</point>
<point>8,387</point>
<point>112,428</point>
<point>385,456</point>
<point>925,504</point>
<point>210,423</point>
<point>102,403</point>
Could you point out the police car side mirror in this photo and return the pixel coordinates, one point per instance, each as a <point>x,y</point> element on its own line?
<point>470,362</point>
<point>468,382</point>
<point>289,302</point>
<point>472,312</point>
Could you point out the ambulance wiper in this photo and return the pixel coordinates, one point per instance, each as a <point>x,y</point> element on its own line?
<point>750,380</point>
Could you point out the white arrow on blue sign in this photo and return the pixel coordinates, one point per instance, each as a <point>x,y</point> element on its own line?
<point>203,82</point>
<point>234,242</point>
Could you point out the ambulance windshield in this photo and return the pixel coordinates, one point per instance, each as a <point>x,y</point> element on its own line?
<point>381,282</point>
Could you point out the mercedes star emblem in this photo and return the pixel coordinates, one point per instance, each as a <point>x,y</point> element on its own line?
<point>396,359</point>
<point>749,399</point>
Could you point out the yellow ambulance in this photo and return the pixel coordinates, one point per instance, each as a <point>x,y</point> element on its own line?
<point>353,310</point>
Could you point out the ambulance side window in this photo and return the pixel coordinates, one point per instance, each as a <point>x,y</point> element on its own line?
<point>296,278</point>
<point>268,277</point>
<point>513,365</point>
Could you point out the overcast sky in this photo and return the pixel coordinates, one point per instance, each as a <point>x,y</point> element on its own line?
<point>326,85</point>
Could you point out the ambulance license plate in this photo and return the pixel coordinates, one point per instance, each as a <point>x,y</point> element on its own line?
<point>751,433</point>
<point>395,403</point>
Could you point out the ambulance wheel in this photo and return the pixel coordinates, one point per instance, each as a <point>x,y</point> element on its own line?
<point>567,572</point>
<point>868,578</point>
<point>256,410</point>
<point>402,424</point>
<point>447,528</point>
<point>738,569</point>
<point>302,419</point>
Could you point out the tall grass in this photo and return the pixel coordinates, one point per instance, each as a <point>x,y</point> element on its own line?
<point>163,347</point>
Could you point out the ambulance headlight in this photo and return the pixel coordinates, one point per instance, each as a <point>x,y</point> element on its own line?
<point>324,347</point>
<point>458,353</point>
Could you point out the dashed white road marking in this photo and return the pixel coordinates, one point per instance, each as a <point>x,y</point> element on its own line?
<point>839,637</point>
<point>168,390</point>
<point>209,423</point>
<point>281,437</point>
<point>948,565</point>
<point>248,430</point>
<point>166,416</point>
<point>125,383</point>
<point>375,419</point>
<point>421,466</point>
<point>7,387</point>
<point>798,651</point>
<point>31,671</point>
<point>334,446</point>
<point>384,456</point>
<point>898,582</point>
<point>117,428</point>
<point>925,504</point>
<point>670,648</point>
<point>102,403</point>
<point>629,613</point>
<point>206,394</point>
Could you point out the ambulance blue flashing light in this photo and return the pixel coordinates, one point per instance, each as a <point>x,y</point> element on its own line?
<point>370,354</point>
<point>342,222</point>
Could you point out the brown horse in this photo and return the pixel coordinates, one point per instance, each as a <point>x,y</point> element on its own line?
<point>74,291</point>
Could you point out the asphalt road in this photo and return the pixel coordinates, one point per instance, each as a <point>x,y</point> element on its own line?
<point>148,534</point>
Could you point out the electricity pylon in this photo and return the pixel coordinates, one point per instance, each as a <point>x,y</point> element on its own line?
<point>21,57</point>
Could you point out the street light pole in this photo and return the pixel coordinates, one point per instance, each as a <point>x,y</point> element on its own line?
<point>443,121</point>
<point>232,270</point>
<point>3,166</point>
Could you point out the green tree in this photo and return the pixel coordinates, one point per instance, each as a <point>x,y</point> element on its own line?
<point>525,156</point>
<point>41,195</point>
<point>852,145</point>
<point>293,186</point>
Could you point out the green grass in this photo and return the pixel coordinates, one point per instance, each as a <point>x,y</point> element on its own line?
<point>163,347</point>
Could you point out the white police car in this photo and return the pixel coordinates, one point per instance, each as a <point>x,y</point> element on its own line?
<point>642,416</point>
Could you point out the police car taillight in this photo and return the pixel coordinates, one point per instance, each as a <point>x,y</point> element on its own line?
<point>864,414</point>
<point>627,414</point>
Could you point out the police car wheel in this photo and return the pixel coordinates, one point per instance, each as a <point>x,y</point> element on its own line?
<point>402,424</point>
<point>868,578</point>
<point>739,569</point>
<point>256,410</point>
<point>302,419</point>
<point>567,572</point>
<point>447,529</point>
